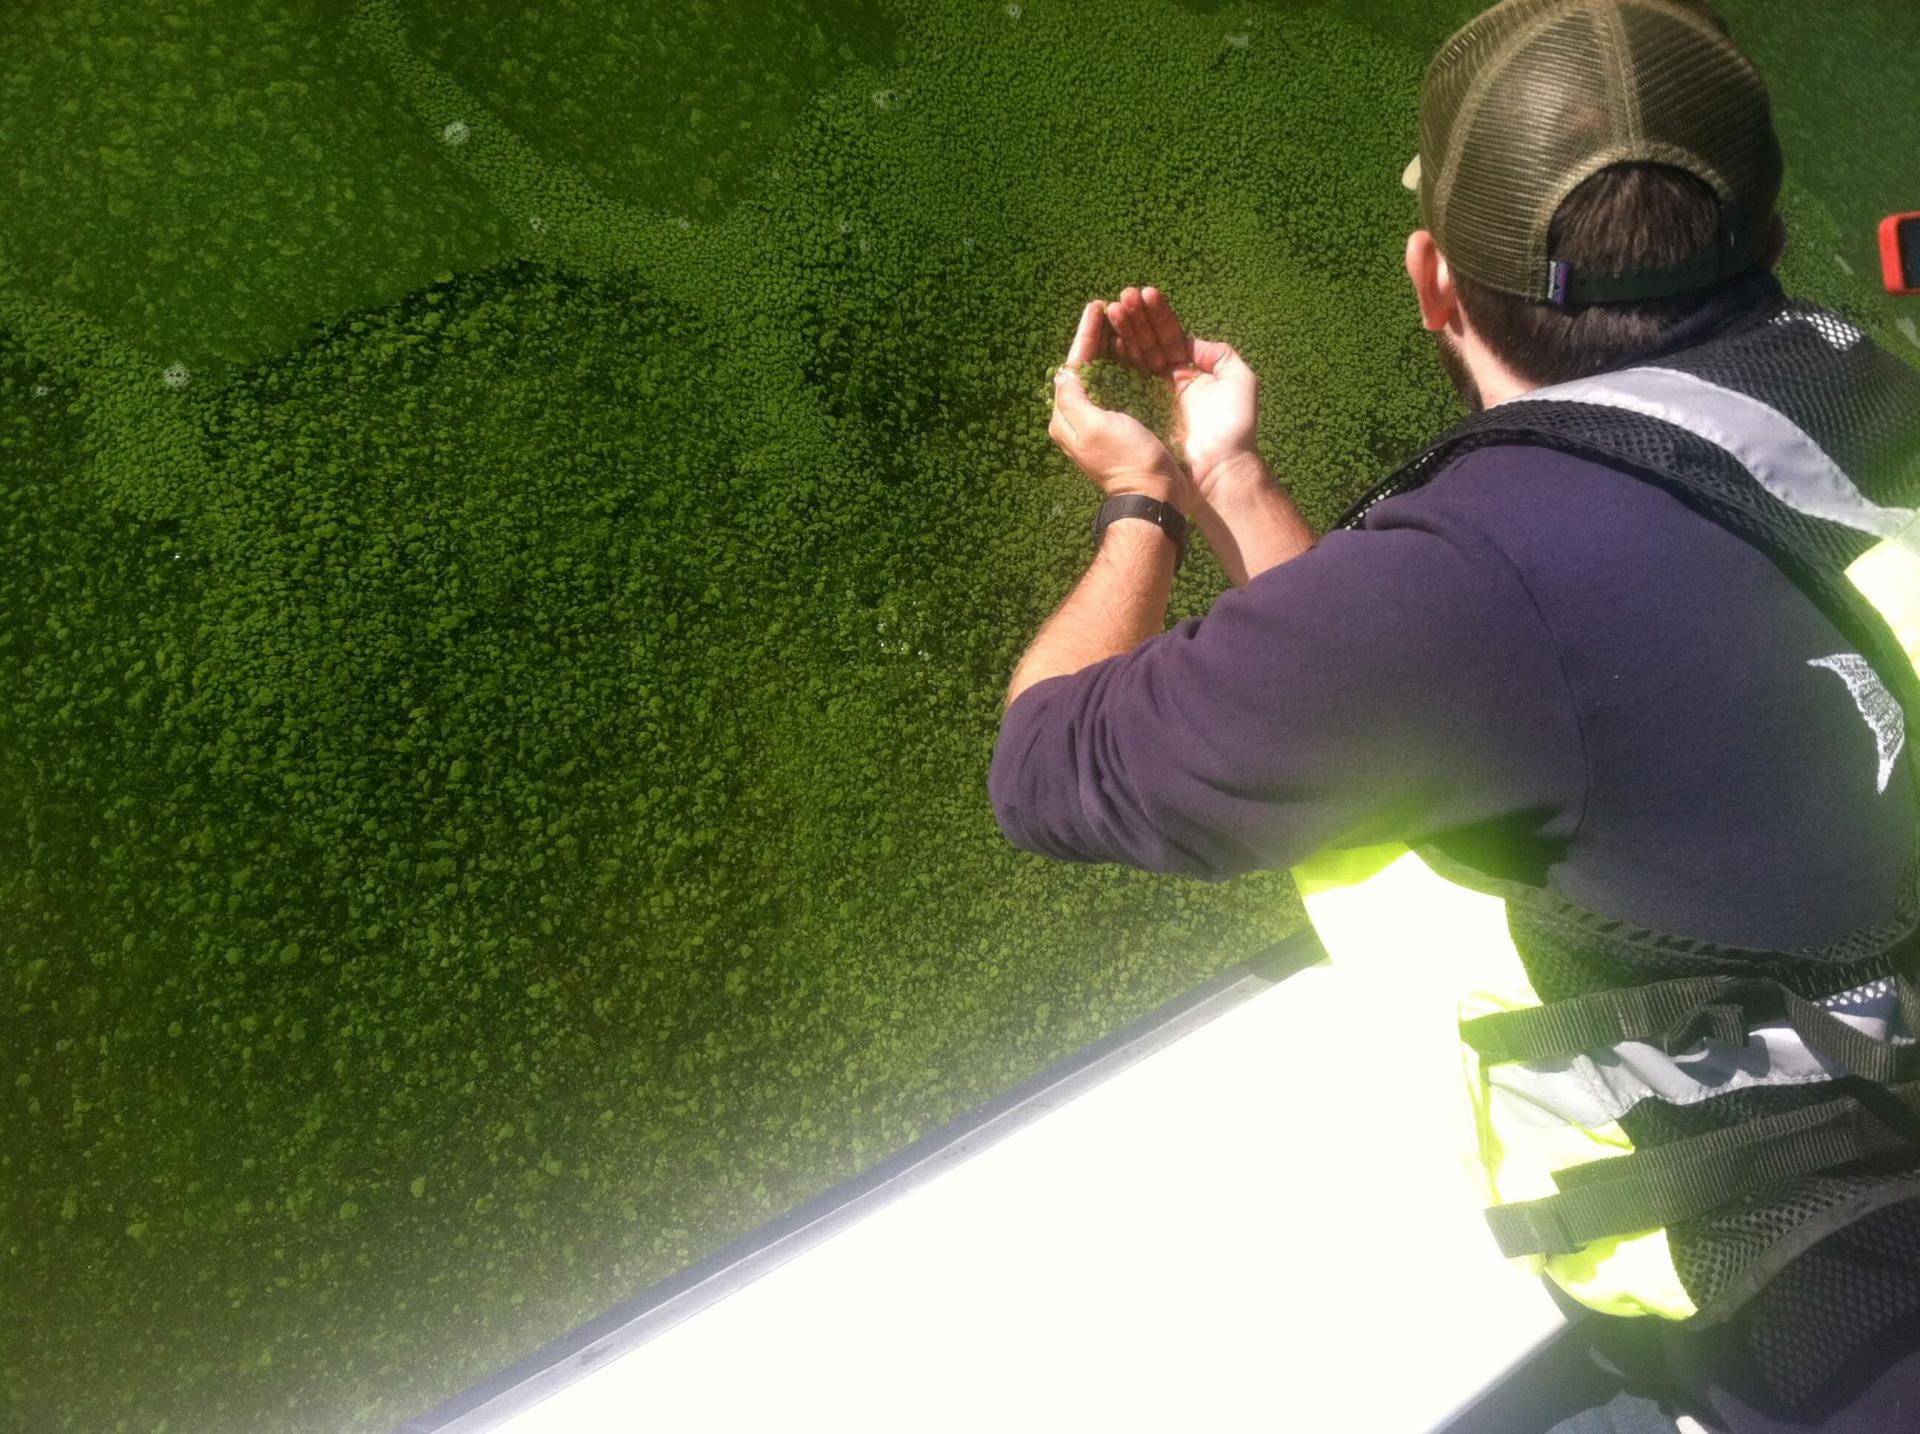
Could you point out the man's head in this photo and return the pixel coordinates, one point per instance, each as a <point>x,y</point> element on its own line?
<point>1591,172</point>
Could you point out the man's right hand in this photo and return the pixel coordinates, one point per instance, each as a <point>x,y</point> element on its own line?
<point>1217,395</point>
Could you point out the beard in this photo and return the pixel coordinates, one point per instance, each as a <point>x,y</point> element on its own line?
<point>1458,374</point>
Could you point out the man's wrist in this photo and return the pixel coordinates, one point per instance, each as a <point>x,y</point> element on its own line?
<point>1163,489</point>
<point>1250,520</point>
<point>1242,469</point>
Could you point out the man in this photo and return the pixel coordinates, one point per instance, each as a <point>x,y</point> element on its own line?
<point>1623,658</point>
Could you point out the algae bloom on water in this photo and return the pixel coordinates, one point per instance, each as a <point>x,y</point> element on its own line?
<point>513,577</point>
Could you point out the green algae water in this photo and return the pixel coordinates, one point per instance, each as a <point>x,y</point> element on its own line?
<point>518,524</point>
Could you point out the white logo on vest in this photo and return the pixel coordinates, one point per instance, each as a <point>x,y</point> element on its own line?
<point>1876,704</point>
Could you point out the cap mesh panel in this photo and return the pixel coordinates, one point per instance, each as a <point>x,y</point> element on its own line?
<point>1536,96</point>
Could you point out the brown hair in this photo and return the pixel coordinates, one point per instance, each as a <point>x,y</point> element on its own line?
<point>1629,216</point>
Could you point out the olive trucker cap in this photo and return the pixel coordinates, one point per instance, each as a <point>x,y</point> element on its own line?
<point>1534,97</point>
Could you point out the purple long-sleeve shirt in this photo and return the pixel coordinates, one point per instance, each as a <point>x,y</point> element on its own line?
<point>1543,663</point>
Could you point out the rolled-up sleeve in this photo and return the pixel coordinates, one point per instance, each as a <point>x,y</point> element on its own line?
<point>1392,683</point>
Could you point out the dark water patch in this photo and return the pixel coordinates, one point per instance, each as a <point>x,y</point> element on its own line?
<point>205,180</point>
<point>673,107</point>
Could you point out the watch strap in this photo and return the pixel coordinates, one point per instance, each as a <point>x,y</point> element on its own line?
<point>1138,505</point>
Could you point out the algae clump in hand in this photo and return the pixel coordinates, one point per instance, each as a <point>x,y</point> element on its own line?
<point>1147,397</point>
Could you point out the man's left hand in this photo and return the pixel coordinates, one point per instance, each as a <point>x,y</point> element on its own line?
<point>1117,451</point>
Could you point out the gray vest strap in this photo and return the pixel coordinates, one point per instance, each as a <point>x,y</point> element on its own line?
<point>1604,1083</point>
<point>1781,455</point>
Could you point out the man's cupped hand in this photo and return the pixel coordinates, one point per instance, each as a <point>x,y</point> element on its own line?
<point>1216,396</point>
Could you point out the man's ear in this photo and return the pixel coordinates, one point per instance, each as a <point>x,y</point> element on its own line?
<point>1432,281</point>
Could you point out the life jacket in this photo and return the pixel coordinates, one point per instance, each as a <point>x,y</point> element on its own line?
<point>1661,1123</point>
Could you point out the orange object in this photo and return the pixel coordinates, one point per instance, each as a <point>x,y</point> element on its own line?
<point>1900,253</point>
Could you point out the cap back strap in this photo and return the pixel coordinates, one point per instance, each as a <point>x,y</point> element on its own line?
<point>1568,286</point>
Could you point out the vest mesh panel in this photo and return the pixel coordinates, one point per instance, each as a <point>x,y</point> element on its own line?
<point>1842,1296</point>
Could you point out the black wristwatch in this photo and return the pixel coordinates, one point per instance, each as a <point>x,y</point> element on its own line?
<point>1139,505</point>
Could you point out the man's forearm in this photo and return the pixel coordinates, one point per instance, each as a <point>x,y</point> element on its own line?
<point>1120,603</point>
<point>1252,523</point>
